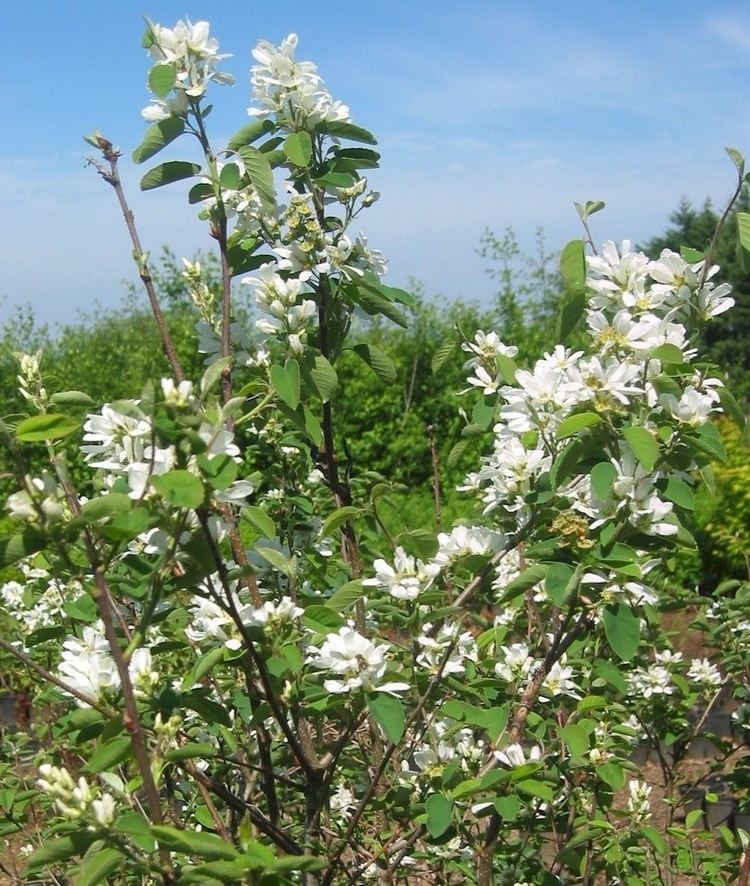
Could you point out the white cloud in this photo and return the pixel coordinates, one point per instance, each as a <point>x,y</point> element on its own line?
<point>732,29</point>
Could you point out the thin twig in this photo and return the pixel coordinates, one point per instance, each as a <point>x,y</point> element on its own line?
<point>112,176</point>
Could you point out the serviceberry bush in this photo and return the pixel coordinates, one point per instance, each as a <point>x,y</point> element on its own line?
<point>246,678</point>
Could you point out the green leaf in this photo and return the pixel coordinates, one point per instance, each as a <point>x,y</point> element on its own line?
<point>736,157</point>
<point>442,354</point>
<point>127,525</point>
<point>570,315</point>
<point>198,844</point>
<point>213,373</point>
<point>296,863</point>
<point>212,872</point>
<point>602,477</point>
<point>668,353</point>
<point>261,175</point>
<point>250,133</point>
<point>589,208</point>
<point>298,148</point>
<point>322,619</point>
<point>346,595</point>
<point>336,520</point>
<point>324,377</point>
<point>18,547</point>
<point>574,423</point>
<point>180,488</point>
<point>375,299</point>
<point>60,849</point>
<point>102,507</point>
<point>339,129</point>
<point>380,363</point>
<point>336,180</point>
<point>388,712</point>
<point>229,177</point>
<point>203,665</point>
<point>733,408</point>
<point>457,451</point>
<point>259,520</point>
<point>691,256</point>
<point>166,173</point>
<point>576,739</point>
<point>71,398</point>
<point>110,754</point>
<point>611,774</point>
<point>191,750</point>
<point>623,630</point>
<point>539,789</point>
<point>710,443</point>
<point>523,582</point>
<point>743,236</point>
<point>439,809</point>
<point>286,382</point>
<point>566,463</point>
<point>279,561</point>
<point>50,426</point>
<point>209,710</point>
<point>680,493</point>
<point>200,192</point>
<point>98,866</point>
<point>507,367</point>
<point>655,838</point>
<point>644,445</point>
<point>219,470</point>
<point>507,807</point>
<point>162,79</point>
<point>304,421</point>
<point>157,137</point>
<point>573,265</point>
<point>557,580</point>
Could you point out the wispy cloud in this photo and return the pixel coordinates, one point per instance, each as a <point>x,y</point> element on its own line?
<point>732,29</point>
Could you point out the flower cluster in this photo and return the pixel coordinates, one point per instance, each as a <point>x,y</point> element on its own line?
<point>291,90</point>
<point>193,55</point>
<point>76,799</point>
<point>356,662</point>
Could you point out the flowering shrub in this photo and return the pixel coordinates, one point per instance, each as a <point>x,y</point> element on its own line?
<point>251,680</point>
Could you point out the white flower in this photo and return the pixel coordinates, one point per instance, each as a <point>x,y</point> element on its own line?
<point>342,803</point>
<point>293,90</point>
<point>465,541</point>
<point>651,681</point>
<point>486,347</point>
<point>639,807</point>
<point>702,671</point>
<point>194,53</point>
<point>142,673</point>
<point>355,661</point>
<point>513,755</point>
<point>41,494</point>
<point>406,579</point>
<point>87,666</point>
<point>463,649</point>
<point>180,394</point>
<point>104,810</point>
<point>559,681</point>
<point>517,663</point>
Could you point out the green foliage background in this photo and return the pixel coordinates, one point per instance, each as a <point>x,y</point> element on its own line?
<point>111,353</point>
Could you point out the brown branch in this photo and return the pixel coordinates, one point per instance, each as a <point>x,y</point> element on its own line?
<point>310,766</point>
<point>484,855</point>
<point>385,759</point>
<point>112,177</point>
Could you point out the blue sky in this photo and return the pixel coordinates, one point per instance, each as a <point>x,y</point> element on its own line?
<point>488,114</point>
